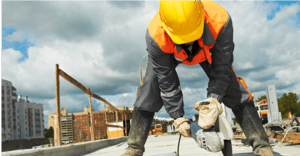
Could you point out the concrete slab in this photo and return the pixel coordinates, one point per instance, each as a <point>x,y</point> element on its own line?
<point>164,145</point>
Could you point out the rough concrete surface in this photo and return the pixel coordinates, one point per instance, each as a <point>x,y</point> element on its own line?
<point>77,149</point>
<point>165,145</point>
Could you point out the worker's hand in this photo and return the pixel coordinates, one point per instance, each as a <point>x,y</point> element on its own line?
<point>182,126</point>
<point>209,110</point>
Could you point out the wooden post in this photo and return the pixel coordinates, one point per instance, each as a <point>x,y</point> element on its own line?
<point>117,117</point>
<point>125,125</point>
<point>58,139</point>
<point>105,119</point>
<point>123,121</point>
<point>92,116</point>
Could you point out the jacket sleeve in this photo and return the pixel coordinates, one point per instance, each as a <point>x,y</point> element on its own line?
<point>222,58</point>
<point>164,68</point>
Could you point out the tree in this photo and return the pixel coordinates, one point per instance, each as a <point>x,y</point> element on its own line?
<point>289,103</point>
<point>261,98</point>
<point>50,132</point>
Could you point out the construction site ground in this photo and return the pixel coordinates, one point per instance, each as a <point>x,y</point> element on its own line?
<point>166,144</point>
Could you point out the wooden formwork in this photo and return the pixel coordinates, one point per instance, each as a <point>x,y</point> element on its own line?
<point>60,72</point>
<point>292,137</point>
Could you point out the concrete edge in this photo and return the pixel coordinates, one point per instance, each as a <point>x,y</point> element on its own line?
<point>77,149</point>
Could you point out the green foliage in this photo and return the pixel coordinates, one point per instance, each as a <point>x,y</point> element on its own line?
<point>261,98</point>
<point>289,102</point>
<point>164,128</point>
<point>50,133</point>
<point>196,117</point>
<point>171,122</point>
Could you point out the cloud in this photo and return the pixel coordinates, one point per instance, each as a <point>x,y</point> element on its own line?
<point>17,36</point>
<point>285,13</point>
<point>125,99</point>
<point>100,44</point>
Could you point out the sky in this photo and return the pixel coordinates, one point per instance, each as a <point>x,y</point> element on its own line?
<point>101,43</point>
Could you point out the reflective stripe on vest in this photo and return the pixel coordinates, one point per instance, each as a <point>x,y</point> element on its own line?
<point>215,17</point>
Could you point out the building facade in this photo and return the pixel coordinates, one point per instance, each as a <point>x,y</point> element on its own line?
<point>81,125</point>
<point>21,119</point>
<point>31,119</point>
<point>9,111</point>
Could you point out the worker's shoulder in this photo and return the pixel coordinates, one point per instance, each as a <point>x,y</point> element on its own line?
<point>215,12</point>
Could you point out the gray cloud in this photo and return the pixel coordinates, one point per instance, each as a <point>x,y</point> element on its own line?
<point>100,44</point>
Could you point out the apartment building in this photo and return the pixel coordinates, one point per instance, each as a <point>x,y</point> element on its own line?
<point>21,119</point>
<point>76,127</point>
<point>31,119</point>
<point>9,111</point>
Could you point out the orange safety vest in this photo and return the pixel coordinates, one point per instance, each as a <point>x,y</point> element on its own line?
<point>215,17</point>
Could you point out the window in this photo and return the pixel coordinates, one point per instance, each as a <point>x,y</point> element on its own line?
<point>3,136</point>
<point>9,136</point>
<point>9,129</point>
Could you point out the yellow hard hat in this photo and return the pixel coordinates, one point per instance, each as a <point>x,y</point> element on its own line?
<point>182,20</point>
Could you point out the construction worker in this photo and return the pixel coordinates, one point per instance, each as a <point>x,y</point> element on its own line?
<point>190,33</point>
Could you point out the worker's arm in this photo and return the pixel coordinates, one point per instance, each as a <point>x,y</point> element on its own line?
<point>222,58</point>
<point>164,68</point>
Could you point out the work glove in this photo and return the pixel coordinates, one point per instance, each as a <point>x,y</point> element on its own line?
<point>209,110</point>
<point>182,126</point>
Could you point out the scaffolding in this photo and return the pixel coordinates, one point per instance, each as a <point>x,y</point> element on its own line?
<point>66,129</point>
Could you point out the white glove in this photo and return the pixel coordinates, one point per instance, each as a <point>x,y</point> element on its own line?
<point>182,126</point>
<point>209,110</point>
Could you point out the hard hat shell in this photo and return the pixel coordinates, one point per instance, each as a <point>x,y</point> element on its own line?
<point>182,20</point>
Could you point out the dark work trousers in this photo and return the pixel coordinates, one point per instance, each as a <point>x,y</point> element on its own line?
<point>149,97</point>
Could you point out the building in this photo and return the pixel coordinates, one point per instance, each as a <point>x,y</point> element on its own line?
<point>76,127</point>
<point>21,119</point>
<point>9,111</point>
<point>31,118</point>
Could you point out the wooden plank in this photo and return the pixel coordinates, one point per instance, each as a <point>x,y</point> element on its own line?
<point>125,125</point>
<point>58,140</point>
<point>117,126</point>
<point>103,100</point>
<point>117,118</point>
<point>92,117</point>
<point>73,81</point>
<point>238,136</point>
<point>81,87</point>
<point>105,119</point>
<point>87,91</point>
